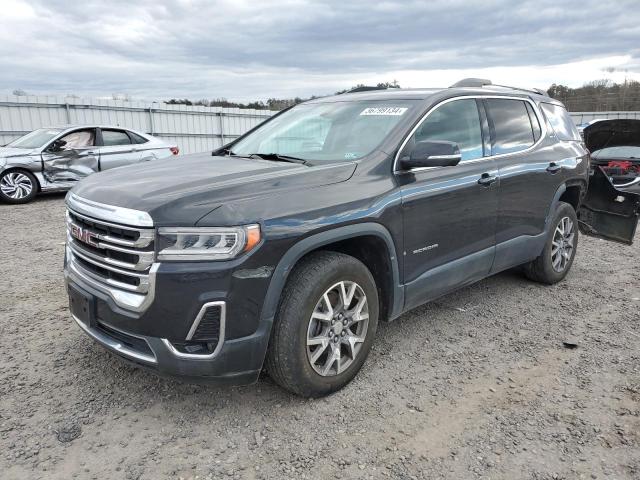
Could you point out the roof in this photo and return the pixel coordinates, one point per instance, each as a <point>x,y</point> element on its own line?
<point>425,93</point>
<point>87,125</point>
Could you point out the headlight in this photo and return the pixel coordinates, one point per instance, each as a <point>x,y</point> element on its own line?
<point>206,243</point>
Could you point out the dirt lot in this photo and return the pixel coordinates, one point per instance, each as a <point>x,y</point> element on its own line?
<point>475,385</point>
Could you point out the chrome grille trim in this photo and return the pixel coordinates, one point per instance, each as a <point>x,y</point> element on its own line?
<point>110,213</point>
<point>142,287</point>
<point>145,238</point>
<point>121,266</point>
<point>143,264</point>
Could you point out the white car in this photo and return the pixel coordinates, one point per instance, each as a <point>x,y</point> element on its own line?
<point>55,158</point>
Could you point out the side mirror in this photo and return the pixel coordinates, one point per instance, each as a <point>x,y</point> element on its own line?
<point>431,153</point>
<point>57,146</point>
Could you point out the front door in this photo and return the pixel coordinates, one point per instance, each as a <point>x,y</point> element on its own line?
<point>449,213</point>
<point>72,160</point>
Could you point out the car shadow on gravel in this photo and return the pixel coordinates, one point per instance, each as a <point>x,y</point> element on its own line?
<point>141,384</point>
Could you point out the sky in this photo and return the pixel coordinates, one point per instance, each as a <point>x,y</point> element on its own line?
<point>254,50</point>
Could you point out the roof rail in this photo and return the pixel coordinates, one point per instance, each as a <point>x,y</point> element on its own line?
<point>471,82</point>
<point>481,82</point>
<point>541,91</point>
<point>364,88</point>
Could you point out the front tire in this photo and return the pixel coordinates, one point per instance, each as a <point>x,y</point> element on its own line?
<point>18,186</point>
<point>325,325</point>
<point>556,259</point>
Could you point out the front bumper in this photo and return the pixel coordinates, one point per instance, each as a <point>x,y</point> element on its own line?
<point>147,338</point>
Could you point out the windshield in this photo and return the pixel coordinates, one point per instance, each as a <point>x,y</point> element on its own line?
<point>35,139</point>
<point>326,131</point>
<point>617,152</point>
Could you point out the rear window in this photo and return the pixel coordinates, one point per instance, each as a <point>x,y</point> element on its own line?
<point>561,122</point>
<point>512,130</point>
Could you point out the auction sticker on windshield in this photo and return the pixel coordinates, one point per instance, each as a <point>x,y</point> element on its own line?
<point>384,111</point>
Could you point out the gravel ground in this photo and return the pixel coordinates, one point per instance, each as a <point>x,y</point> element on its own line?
<point>475,385</point>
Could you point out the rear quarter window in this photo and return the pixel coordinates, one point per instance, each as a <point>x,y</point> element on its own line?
<point>135,138</point>
<point>512,129</point>
<point>560,121</point>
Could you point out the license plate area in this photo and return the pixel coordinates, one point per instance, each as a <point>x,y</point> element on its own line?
<point>81,306</point>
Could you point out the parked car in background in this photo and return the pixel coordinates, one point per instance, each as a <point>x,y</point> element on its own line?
<point>55,158</point>
<point>288,246</point>
<point>615,147</point>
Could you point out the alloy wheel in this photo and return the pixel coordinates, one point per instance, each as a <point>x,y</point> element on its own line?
<point>562,244</point>
<point>337,328</point>
<point>16,185</point>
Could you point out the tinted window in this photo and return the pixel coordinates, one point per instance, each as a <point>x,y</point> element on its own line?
<point>456,121</point>
<point>114,137</point>
<point>511,125</point>
<point>561,121</point>
<point>79,139</point>
<point>535,123</point>
<point>135,138</point>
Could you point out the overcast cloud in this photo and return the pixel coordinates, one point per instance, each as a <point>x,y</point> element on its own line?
<point>254,50</point>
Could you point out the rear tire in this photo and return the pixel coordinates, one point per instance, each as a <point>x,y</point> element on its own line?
<point>325,325</point>
<point>559,251</point>
<point>18,186</point>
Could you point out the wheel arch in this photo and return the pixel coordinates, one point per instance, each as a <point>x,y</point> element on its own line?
<point>23,169</point>
<point>571,192</point>
<point>344,240</point>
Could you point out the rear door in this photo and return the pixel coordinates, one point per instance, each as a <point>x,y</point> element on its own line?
<point>607,212</point>
<point>117,149</point>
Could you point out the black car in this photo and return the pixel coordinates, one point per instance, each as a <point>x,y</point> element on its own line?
<point>285,248</point>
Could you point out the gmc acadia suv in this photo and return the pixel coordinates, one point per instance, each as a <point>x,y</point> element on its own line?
<point>287,246</point>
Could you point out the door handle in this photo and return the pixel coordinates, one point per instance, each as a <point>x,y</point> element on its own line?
<point>554,167</point>
<point>487,179</point>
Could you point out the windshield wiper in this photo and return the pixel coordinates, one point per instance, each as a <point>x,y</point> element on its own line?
<point>227,152</point>
<point>280,158</point>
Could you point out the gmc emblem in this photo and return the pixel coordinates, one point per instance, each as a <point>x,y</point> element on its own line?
<point>84,236</point>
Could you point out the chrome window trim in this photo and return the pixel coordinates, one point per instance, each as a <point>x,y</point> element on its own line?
<point>209,356</point>
<point>110,213</point>
<point>113,344</point>
<point>533,104</point>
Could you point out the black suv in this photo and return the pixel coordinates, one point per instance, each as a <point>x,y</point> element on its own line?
<point>287,246</point>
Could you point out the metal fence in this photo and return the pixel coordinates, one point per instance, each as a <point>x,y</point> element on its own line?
<point>192,128</point>
<point>584,117</point>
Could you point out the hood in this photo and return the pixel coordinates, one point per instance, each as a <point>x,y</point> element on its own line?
<point>8,152</point>
<point>180,190</point>
<point>612,133</point>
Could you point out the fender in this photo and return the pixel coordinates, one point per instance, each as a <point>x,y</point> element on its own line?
<point>556,198</point>
<point>554,204</point>
<point>313,242</point>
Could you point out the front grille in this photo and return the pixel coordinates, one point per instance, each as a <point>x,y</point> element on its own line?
<point>116,256</point>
